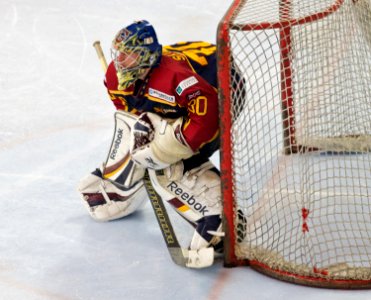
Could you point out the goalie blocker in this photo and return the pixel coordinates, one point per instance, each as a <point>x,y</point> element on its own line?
<point>190,186</point>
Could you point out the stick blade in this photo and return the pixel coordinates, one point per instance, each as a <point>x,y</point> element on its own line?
<point>179,256</point>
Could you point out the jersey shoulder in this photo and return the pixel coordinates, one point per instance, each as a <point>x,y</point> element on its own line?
<point>200,55</point>
<point>173,80</point>
<point>167,76</point>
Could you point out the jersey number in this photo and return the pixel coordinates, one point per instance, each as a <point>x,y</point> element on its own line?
<point>198,106</point>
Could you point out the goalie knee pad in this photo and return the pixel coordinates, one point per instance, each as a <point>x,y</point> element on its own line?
<point>105,201</point>
<point>197,189</point>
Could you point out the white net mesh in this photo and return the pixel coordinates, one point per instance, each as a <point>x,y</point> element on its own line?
<point>305,71</point>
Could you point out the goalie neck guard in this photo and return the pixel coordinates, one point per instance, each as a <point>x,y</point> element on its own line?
<point>135,48</point>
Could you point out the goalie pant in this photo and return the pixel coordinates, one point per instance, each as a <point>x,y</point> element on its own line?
<point>191,187</point>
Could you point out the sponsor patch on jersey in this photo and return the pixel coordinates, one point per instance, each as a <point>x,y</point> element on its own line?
<point>161,95</point>
<point>185,84</point>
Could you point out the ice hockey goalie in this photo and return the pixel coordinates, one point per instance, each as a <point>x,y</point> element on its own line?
<point>166,121</point>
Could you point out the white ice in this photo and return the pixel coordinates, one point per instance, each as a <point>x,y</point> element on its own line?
<point>56,125</point>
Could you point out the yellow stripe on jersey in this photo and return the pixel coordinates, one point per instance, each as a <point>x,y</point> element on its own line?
<point>213,138</point>
<point>185,125</point>
<point>159,100</point>
<point>124,93</point>
<point>120,95</point>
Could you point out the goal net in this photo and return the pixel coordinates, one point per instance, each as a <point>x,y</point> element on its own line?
<point>295,106</point>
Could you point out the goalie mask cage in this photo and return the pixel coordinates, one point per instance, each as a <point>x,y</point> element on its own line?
<point>295,107</point>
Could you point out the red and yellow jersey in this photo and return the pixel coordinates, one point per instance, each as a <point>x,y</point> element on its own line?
<point>181,86</point>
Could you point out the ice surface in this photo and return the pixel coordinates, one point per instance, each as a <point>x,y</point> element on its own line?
<point>56,126</point>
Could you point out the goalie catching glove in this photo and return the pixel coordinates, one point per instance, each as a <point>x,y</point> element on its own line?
<point>157,143</point>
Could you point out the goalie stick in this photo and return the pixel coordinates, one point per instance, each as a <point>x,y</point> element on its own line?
<point>188,258</point>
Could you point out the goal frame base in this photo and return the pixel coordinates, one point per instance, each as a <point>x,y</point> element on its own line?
<point>319,282</point>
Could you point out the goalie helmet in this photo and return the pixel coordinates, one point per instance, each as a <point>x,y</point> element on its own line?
<point>135,48</point>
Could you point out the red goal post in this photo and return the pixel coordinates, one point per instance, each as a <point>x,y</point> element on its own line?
<point>296,138</point>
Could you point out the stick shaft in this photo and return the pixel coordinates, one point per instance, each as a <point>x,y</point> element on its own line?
<point>164,222</point>
<point>100,54</point>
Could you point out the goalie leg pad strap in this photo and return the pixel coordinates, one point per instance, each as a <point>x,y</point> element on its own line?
<point>207,232</point>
